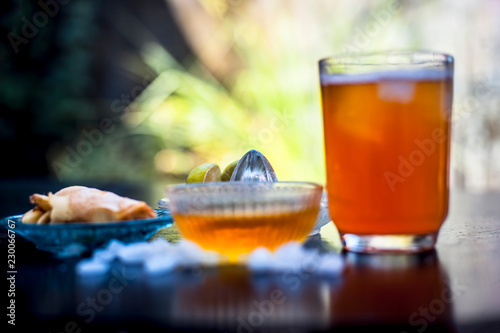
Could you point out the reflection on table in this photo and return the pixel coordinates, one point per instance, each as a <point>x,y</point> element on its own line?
<point>410,291</point>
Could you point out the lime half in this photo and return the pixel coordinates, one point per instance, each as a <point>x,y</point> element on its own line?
<point>208,172</point>
<point>228,171</point>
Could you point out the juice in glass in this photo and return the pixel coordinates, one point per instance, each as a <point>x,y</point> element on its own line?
<point>387,141</point>
<point>234,235</point>
<point>235,217</point>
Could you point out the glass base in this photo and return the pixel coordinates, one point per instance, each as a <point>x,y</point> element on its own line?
<point>389,243</point>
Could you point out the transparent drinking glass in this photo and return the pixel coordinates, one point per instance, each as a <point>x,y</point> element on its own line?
<point>234,218</point>
<point>386,120</point>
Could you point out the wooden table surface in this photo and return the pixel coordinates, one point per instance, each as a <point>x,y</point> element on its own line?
<point>455,288</point>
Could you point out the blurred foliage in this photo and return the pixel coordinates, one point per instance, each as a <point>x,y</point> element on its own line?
<point>250,83</point>
<point>261,111</point>
<point>186,116</point>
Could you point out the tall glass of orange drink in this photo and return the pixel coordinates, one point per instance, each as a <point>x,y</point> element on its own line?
<point>387,129</point>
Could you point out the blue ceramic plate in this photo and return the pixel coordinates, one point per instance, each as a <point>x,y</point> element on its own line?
<point>75,238</point>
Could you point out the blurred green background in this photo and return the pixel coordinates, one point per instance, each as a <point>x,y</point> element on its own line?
<point>140,92</point>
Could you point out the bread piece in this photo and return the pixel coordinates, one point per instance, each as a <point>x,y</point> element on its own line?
<point>84,204</point>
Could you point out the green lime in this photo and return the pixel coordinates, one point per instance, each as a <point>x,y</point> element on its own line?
<point>228,171</point>
<point>208,172</point>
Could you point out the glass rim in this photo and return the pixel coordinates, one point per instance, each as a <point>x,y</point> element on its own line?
<point>179,187</point>
<point>416,57</point>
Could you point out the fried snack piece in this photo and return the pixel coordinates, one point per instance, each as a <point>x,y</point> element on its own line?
<point>84,204</point>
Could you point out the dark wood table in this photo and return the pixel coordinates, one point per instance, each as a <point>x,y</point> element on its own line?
<point>455,288</point>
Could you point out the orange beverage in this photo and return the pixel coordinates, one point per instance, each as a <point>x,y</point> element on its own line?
<point>387,139</point>
<point>234,235</point>
<point>394,291</point>
<point>235,217</point>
